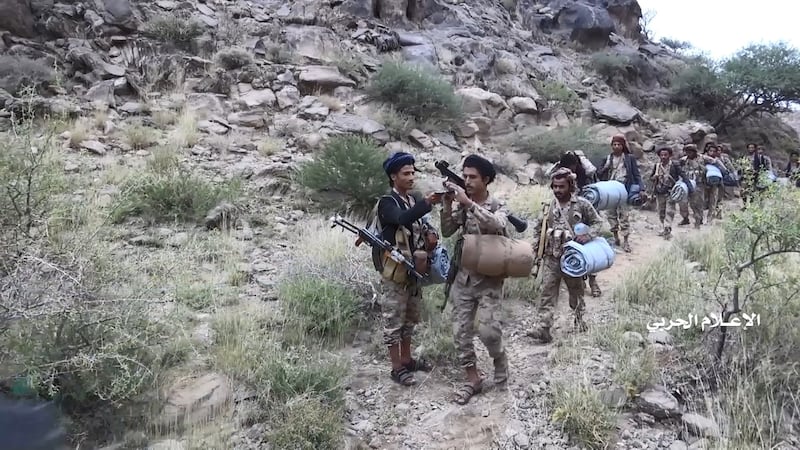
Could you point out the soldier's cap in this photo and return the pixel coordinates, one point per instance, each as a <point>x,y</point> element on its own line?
<point>484,166</point>
<point>563,172</point>
<point>664,147</point>
<point>690,148</point>
<point>396,161</point>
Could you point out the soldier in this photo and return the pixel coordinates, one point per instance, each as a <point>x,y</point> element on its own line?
<point>620,166</point>
<point>714,194</point>
<point>478,212</point>
<point>665,174</point>
<point>792,171</point>
<point>565,211</point>
<point>400,209</point>
<point>694,167</point>
<point>751,167</point>
<point>573,162</point>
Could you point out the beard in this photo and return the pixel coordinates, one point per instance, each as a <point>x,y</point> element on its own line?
<point>562,195</point>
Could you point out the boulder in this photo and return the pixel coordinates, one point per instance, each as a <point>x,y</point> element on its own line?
<point>16,16</point>
<point>322,78</point>
<point>614,111</point>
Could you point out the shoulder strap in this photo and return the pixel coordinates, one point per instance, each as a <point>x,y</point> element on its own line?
<point>374,217</point>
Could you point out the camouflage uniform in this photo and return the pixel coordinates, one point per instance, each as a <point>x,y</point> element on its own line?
<point>400,302</point>
<point>474,294</point>
<point>695,169</point>
<point>662,183</point>
<point>560,222</point>
<point>619,218</point>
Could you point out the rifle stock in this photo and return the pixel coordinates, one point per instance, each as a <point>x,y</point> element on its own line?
<point>444,168</point>
<point>366,236</point>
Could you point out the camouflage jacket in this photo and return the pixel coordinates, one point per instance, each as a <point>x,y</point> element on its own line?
<point>560,221</point>
<point>695,169</point>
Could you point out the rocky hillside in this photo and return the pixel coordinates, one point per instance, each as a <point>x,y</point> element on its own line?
<point>172,281</point>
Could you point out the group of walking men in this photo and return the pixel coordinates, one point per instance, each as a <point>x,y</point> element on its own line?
<point>474,210</point>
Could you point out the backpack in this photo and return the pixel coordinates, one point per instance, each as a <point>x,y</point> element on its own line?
<point>438,258</point>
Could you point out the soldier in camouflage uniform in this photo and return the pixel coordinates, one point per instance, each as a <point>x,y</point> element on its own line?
<point>566,210</point>
<point>694,166</point>
<point>473,294</point>
<point>621,166</point>
<point>665,174</point>
<point>714,194</point>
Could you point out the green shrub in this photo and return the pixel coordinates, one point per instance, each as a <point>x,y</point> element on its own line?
<point>173,29</point>
<point>175,195</point>
<point>19,72</point>
<point>233,58</point>
<point>308,423</point>
<point>579,409</point>
<point>547,147</point>
<point>351,165</point>
<point>415,92</point>
<point>560,94</point>
<point>318,307</point>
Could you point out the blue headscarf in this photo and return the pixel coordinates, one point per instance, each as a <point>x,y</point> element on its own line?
<point>396,161</point>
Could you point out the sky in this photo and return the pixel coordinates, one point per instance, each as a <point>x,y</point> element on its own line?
<point>719,29</point>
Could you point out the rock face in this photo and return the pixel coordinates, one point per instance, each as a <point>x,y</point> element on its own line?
<point>16,16</point>
<point>589,22</point>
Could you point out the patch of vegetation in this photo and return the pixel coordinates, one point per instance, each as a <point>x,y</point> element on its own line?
<point>233,58</point>
<point>139,136</point>
<point>174,29</point>
<point>351,165</point>
<point>436,330</point>
<point>579,409</point>
<point>547,146</point>
<point>415,92</point>
<point>19,72</point>
<point>171,194</point>
<point>560,94</point>
<point>669,114</point>
<point>308,424</point>
<point>319,308</point>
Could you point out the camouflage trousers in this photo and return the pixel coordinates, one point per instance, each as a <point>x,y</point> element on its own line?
<point>619,219</point>
<point>481,300</point>
<point>551,283</point>
<point>400,310</point>
<point>696,202</point>
<point>666,210</point>
<point>713,196</point>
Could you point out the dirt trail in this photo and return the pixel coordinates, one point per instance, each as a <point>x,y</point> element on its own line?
<point>423,417</point>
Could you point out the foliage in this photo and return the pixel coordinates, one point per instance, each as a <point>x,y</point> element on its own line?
<point>351,165</point>
<point>320,308</point>
<point>760,78</point>
<point>546,147</point>
<point>19,72</point>
<point>578,407</point>
<point>415,91</point>
<point>165,194</point>
<point>676,44</point>
<point>174,29</point>
<point>559,93</point>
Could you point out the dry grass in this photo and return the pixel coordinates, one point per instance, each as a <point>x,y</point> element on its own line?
<point>185,134</point>
<point>578,408</point>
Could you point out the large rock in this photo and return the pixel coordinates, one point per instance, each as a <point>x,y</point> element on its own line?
<point>659,404</point>
<point>322,78</point>
<point>197,399</point>
<point>589,22</point>
<point>16,16</point>
<point>477,101</point>
<point>614,111</point>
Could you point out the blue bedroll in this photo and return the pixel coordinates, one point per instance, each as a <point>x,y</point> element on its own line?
<point>30,425</point>
<point>679,192</point>
<point>635,195</point>
<point>584,259</point>
<point>730,179</point>
<point>605,195</point>
<point>713,175</point>
<point>439,266</point>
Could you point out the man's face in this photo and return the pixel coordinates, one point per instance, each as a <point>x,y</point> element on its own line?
<point>616,147</point>
<point>404,178</point>
<point>560,188</point>
<point>473,181</point>
<point>664,156</point>
<point>691,154</point>
<point>796,157</point>
<point>751,148</point>
<point>760,150</point>
<point>714,152</point>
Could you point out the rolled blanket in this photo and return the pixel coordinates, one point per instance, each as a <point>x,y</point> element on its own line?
<point>635,195</point>
<point>713,175</point>
<point>679,192</point>
<point>585,259</point>
<point>605,195</point>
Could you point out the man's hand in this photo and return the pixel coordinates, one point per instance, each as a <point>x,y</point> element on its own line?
<point>460,194</point>
<point>433,198</point>
<point>582,239</point>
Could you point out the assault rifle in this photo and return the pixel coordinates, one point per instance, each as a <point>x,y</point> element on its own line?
<point>376,242</point>
<point>519,224</point>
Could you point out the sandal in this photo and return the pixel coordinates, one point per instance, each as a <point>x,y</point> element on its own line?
<point>626,247</point>
<point>420,364</point>
<point>403,377</point>
<point>596,292</point>
<point>466,392</point>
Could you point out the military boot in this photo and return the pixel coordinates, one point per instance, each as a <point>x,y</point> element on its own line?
<point>541,334</point>
<point>683,222</point>
<point>501,371</point>
<point>667,233</point>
